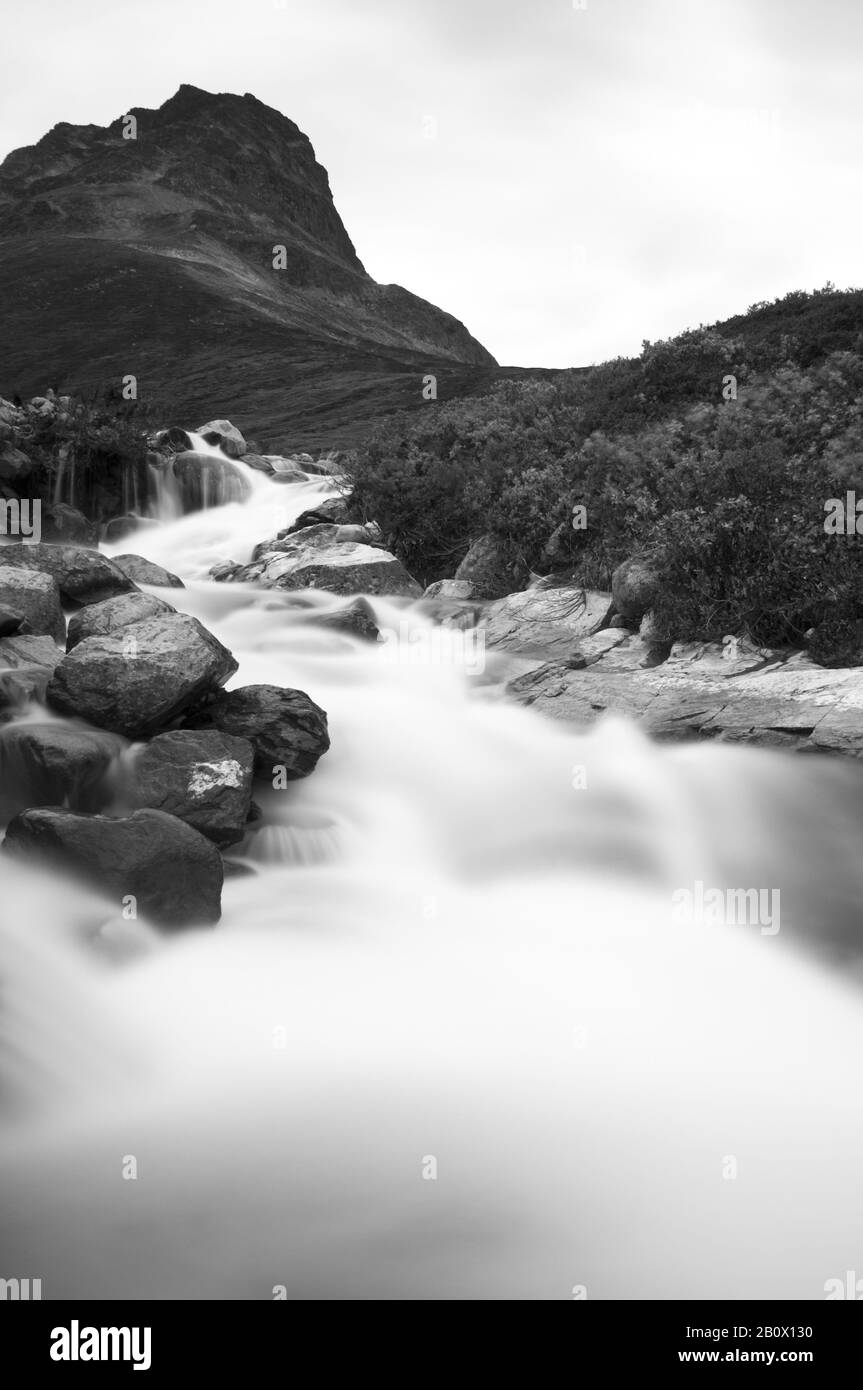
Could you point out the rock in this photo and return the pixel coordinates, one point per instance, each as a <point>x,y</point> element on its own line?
<point>119,527</point>
<point>53,764</point>
<point>700,692</point>
<point>286,727</point>
<point>26,665</point>
<point>204,777</point>
<point>36,598</point>
<point>15,466</point>
<point>357,618</point>
<point>315,558</point>
<point>634,587</point>
<point>61,523</point>
<point>138,680</point>
<point>258,462</point>
<point>113,615</point>
<point>11,622</point>
<point>333,510</point>
<point>450,588</point>
<point>174,873</point>
<point>204,480</point>
<point>83,576</point>
<point>173,440</point>
<point>226,436</point>
<point>658,646</point>
<point>143,571</point>
<point>226,570</point>
<point>546,622</point>
<point>492,569</point>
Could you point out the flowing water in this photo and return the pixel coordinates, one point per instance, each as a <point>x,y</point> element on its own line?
<point>449,1039</point>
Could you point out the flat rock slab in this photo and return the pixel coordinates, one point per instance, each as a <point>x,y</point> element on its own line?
<point>796,705</point>
<point>204,777</point>
<point>137,681</point>
<point>548,622</point>
<point>174,874</point>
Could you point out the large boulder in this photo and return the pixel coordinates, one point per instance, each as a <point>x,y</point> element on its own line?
<point>492,569</point>
<point>329,557</point>
<point>634,587</point>
<point>172,440</point>
<point>138,680</point>
<point>113,615</point>
<point>205,480</point>
<point>286,728</point>
<point>174,873</point>
<point>27,663</point>
<point>142,571</point>
<point>15,466</point>
<point>204,777</point>
<point>546,622</point>
<point>36,598</point>
<point>82,575</point>
<point>55,764</point>
<point>225,435</point>
<point>64,524</point>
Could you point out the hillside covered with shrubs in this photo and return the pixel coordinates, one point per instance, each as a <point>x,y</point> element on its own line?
<point>712,454</point>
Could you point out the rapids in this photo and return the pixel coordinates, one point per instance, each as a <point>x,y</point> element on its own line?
<point>448,1040</point>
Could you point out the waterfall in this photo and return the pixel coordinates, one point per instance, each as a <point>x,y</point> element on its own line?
<point>448,1039</point>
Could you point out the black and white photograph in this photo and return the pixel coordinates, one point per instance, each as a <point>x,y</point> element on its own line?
<point>431,661</point>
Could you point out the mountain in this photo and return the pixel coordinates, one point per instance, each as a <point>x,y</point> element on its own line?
<point>154,256</point>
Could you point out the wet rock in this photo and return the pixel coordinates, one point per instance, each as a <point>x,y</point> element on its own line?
<point>35,598</point>
<point>545,622</point>
<point>226,436</point>
<point>142,571</point>
<point>333,510</point>
<point>202,776</point>
<point>137,681</point>
<point>26,665</point>
<point>450,588</point>
<point>11,622</point>
<point>65,524</point>
<point>204,480</point>
<point>119,527</point>
<point>358,619</point>
<point>82,575</point>
<point>286,727</point>
<point>493,569</point>
<point>173,440</point>
<point>53,764</point>
<point>173,872</point>
<point>634,587</point>
<point>113,615</point>
<point>15,466</point>
<point>316,558</point>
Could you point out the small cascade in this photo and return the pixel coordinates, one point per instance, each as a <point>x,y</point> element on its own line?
<point>195,479</point>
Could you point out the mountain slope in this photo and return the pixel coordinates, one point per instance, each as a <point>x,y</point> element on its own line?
<point>154,256</point>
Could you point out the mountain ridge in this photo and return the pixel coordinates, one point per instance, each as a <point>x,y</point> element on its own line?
<point>156,256</point>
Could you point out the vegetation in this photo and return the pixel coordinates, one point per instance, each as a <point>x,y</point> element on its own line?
<point>713,454</point>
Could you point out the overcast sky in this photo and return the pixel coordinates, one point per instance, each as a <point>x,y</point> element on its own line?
<point>568,177</point>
